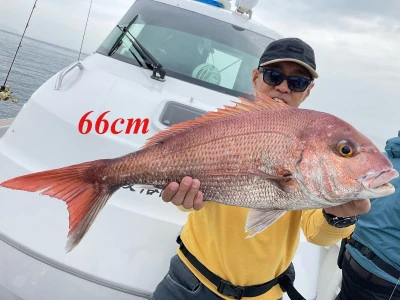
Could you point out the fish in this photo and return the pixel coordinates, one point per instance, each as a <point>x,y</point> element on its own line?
<point>259,153</point>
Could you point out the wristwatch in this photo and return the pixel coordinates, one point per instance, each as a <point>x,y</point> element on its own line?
<point>339,222</point>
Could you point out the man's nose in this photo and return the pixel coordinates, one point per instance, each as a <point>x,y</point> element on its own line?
<point>283,87</point>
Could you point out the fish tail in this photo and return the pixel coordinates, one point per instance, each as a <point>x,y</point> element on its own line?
<point>78,186</point>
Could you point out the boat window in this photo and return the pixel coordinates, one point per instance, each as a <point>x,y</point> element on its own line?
<point>190,46</point>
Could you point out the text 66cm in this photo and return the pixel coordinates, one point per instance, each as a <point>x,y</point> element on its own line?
<point>101,125</point>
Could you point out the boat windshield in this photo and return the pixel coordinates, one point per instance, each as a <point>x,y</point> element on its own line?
<point>189,46</point>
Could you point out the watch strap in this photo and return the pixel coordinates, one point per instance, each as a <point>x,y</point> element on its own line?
<point>339,222</point>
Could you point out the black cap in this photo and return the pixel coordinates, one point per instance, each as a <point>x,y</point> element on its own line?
<point>290,49</point>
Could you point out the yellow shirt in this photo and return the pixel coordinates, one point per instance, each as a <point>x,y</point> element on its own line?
<point>215,236</point>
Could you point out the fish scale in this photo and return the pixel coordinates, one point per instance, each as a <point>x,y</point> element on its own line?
<point>220,155</point>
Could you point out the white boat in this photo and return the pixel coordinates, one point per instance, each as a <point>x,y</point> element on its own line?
<point>207,54</point>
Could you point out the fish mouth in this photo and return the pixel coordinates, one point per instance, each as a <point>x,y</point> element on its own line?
<point>378,183</point>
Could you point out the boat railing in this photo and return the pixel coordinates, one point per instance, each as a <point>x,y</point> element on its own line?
<point>65,71</point>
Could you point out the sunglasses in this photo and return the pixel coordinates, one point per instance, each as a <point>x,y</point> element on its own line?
<point>295,83</point>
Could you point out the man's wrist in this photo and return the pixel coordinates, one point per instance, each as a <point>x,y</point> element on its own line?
<point>339,222</point>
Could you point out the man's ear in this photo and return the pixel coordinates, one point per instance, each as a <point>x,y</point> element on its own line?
<point>255,75</point>
<point>309,88</point>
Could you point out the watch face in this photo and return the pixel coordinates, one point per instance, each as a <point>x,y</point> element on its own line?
<point>345,222</point>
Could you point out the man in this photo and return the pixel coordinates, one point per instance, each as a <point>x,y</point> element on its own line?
<point>215,260</point>
<point>371,261</point>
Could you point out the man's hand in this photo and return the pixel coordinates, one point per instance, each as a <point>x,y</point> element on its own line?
<point>352,208</point>
<point>186,193</point>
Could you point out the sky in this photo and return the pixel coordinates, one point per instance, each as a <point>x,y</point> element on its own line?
<point>357,46</point>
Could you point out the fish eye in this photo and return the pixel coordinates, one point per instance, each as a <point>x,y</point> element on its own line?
<point>345,148</point>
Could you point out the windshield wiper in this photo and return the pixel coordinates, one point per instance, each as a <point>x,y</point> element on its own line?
<point>145,54</point>
<point>118,42</point>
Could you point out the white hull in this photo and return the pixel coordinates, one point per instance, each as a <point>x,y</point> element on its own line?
<point>127,250</point>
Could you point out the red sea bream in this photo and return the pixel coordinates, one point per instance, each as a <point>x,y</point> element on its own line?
<point>258,154</point>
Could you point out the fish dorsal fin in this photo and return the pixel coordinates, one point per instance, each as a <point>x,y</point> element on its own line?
<point>261,102</point>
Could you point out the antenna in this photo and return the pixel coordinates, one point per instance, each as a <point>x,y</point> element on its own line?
<point>3,87</point>
<point>84,32</point>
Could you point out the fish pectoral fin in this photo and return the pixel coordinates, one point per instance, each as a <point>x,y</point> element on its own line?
<point>289,185</point>
<point>148,186</point>
<point>259,219</point>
